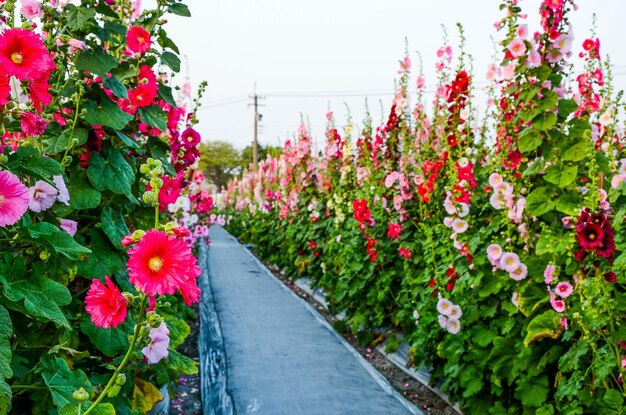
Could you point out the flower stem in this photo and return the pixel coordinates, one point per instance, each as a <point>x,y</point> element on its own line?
<point>121,366</point>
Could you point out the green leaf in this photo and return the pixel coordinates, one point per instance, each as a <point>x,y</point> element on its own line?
<point>579,128</point>
<point>179,330</point>
<point>79,16</point>
<point>82,195</point>
<point>41,167</point>
<point>56,239</point>
<point>179,9</point>
<point>577,152</point>
<point>113,173</point>
<point>114,226</point>
<point>532,297</point>
<point>112,342</point>
<point>166,42</point>
<point>61,381</point>
<point>547,324</point>
<point>96,61</point>
<point>569,203</point>
<point>613,400</point>
<point>5,397</point>
<point>60,143</point>
<point>104,259</point>
<point>529,140</point>
<point>561,174</point>
<point>566,107</point>
<point>101,409</point>
<point>533,392</point>
<point>108,114</point>
<point>154,116</point>
<point>171,60</point>
<point>536,167</point>
<point>165,92</point>
<point>127,140</point>
<point>545,121</point>
<point>6,331</point>
<point>553,242</point>
<point>40,296</point>
<point>539,201</point>
<point>182,363</point>
<point>116,86</point>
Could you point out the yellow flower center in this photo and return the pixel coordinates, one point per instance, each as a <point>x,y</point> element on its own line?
<point>155,264</point>
<point>17,58</point>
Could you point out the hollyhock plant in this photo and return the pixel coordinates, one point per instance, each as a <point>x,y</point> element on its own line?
<point>157,349</point>
<point>42,196</point>
<point>564,289</point>
<point>444,306</point>
<point>160,264</point>
<point>105,304</point>
<point>14,198</point>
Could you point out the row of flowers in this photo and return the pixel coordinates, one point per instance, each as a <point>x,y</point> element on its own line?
<point>488,240</point>
<point>101,206</point>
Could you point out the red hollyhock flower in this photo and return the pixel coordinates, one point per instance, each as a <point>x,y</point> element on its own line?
<point>361,212</point>
<point>610,277</point>
<point>590,236</point>
<point>138,39</point>
<point>39,90</point>
<point>394,231</point>
<point>105,304</point>
<point>160,264</point>
<point>513,160</point>
<point>141,96</point>
<point>23,54</point>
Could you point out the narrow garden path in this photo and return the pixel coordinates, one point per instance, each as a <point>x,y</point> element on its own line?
<point>281,357</point>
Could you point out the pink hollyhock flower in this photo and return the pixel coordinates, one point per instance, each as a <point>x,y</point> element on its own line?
<point>459,225</point>
<point>557,305</point>
<point>453,326</point>
<point>508,71</point>
<point>618,180</point>
<point>548,274</point>
<point>495,180</point>
<point>522,31</point>
<point>64,194</point>
<point>509,261</point>
<point>138,39</point>
<point>31,9</point>
<point>563,43</point>
<point>455,312</point>
<point>69,226</point>
<point>23,54</point>
<point>76,45</point>
<point>520,272</point>
<point>515,299</point>
<point>162,264</point>
<point>517,47</point>
<point>443,321</point>
<point>159,344</point>
<point>534,59</point>
<point>105,304</point>
<point>564,289</point>
<point>13,198</point>
<point>494,252</point>
<point>444,306</point>
<point>42,196</point>
<point>32,124</point>
<point>448,221</point>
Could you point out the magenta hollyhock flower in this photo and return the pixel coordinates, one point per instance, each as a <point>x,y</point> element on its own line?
<point>42,196</point>
<point>157,349</point>
<point>509,261</point>
<point>557,305</point>
<point>69,226</point>
<point>32,124</point>
<point>23,54</point>
<point>564,289</point>
<point>548,274</point>
<point>13,198</point>
<point>394,231</point>
<point>105,304</point>
<point>190,138</point>
<point>138,39</point>
<point>64,194</point>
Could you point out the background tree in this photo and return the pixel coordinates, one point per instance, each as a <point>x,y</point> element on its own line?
<point>246,154</point>
<point>220,161</point>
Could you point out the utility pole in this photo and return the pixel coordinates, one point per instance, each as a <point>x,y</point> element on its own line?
<point>257,118</point>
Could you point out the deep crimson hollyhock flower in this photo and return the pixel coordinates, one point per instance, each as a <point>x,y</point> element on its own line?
<point>190,138</point>
<point>23,54</point>
<point>590,236</point>
<point>513,160</point>
<point>580,255</point>
<point>607,247</point>
<point>160,264</point>
<point>32,124</point>
<point>105,304</point>
<point>394,231</point>
<point>138,39</point>
<point>312,245</point>
<point>610,277</point>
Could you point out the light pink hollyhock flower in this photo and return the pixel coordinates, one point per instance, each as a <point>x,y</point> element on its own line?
<point>13,198</point>
<point>456,312</point>
<point>64,194</point>
<point>520,273</point>
<point>31,9</point>
<point>69,226</point>
<point>509,261</point>
<point>522,31</point>
<point>618,180</point>
<point>567,222</point>
<point>459,225</point>
<point>564,323</point>
<point>564,289</point>
<point>548,274</point>
<point>515,299</point>
<point>159,344</point>
<point>495,180</point>
<point>448,205</point>
<point>448,221</point>
<point>557,305</point>
<point>463,210</point>
<point>517,47</point>
<point>563,43</point>
<point>494,252</point>
<point>497,200</point>
<point>42,196</point>
<point>443,321</point>
<point>508,71</point>
<point>444,306</point>
<point>76,45</point>
<point>453,326</point>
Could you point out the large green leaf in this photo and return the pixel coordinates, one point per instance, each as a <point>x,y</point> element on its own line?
<point>547,324</point>
<point>114,226</point>
<point>40,167</point>
<point>533,392</point>
<point>171,60</point>
<point>578,151</point>
<point>61,142</point>
<point>112,342</point>
<point>566,107</point>
<point>51,236</point>
<point>154,116</point>
<point>82,195</point>
<point>553,242</point>
<point>104,259</point>
<point>179,9</point>
<point>39,296</point>
<point>96,61</point>
<point>6,331</point>
<point>539,201</point>
<point>78,16</point>
<point>561,174</point>
<point>108,114</point>
<point>545,121</point>
<point>569,203</point>
<point>116,86</point>
<point>5,397</point>
<point>113,173</point>
<point>529,140</point>
<point>182,363</point>
<point>61,381</point>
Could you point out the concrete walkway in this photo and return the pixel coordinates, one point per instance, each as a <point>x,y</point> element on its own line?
<point>281,356</point>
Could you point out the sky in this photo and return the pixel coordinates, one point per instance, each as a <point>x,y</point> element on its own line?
<point>306,57</point>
